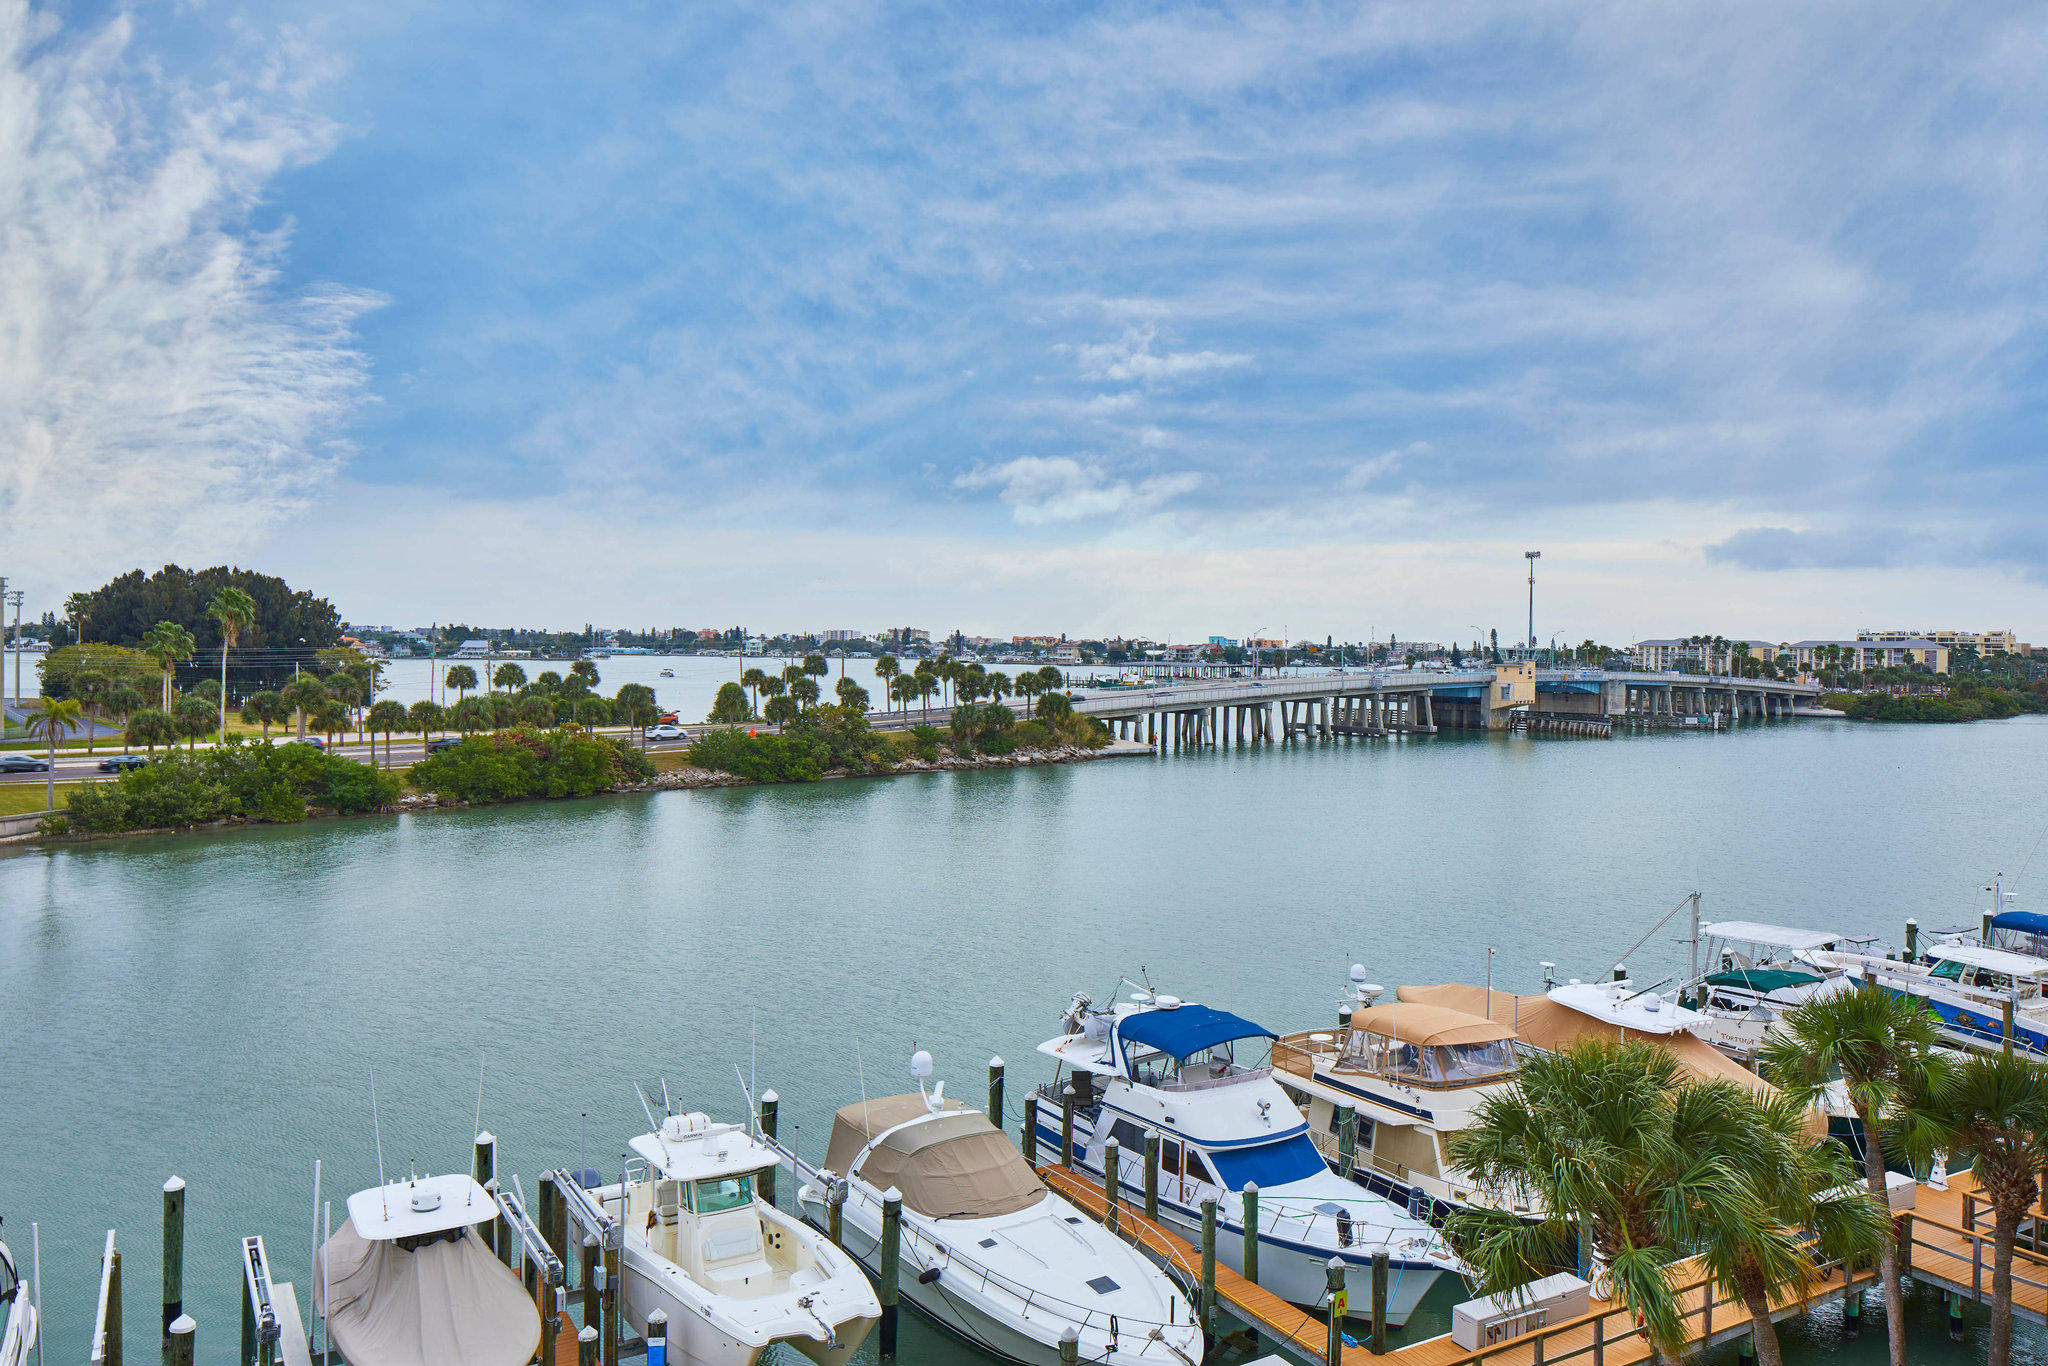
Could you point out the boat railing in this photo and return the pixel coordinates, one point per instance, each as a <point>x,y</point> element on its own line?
<point>1230,1078</point>
<point>931,1251</point>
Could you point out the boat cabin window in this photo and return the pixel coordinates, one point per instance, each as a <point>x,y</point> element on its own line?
<point>2033,943</point>
<point>722,1193</point>
<point>1209,1067</point>
<point>1948,968</point>
<point>1197,1169</point>
<point>1985,979</point>
<point>1435,1064</point>
<point>1129,1137</point>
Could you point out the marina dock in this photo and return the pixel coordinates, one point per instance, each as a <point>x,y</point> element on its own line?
<point>1946,1242</point>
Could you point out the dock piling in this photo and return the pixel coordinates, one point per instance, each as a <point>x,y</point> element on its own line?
<point>1251,1232</point>
<point>1379,1302</point>
<point>486,1171</point>
<point>614,1330</point>
<point>1852,1312</point>
<point>1112,1178</point>
<point>1152,1175</point>
<point>2005,1025</point>
<point>586,1347</point>
<point>835,1211</point>
<point>174,1261</point>
<point>1333,1346</point>
<point>1070,1346</point>
<point>1067,1127</point>
<point>771,1104</point>
<point>178,1340</point>
<point>587,1273</point>
<point>1028,1139</point>
<point>889,1267</point>
<point>1347,1140</point>
<point>1208,1270</point>
<point>1912,941</point>
<point>113,1343</point>
<point>657,1338</point>
<point>995,1092</point>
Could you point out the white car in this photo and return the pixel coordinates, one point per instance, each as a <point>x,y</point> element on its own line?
<point>665,732</point>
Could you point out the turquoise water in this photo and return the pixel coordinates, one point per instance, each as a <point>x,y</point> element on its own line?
<point>212,1005</point>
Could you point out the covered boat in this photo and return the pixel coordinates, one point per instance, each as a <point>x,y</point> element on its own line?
<point>406,1281</point>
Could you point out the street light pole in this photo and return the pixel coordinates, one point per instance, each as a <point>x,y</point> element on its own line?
<point>1532,556</point>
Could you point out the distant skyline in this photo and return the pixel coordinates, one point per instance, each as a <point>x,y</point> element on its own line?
<point>1110,319</point>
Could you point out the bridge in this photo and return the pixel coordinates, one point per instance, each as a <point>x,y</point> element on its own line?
<point>1376,703</point>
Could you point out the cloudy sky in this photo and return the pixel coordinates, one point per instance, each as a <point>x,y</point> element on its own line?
<point>1167,320</point>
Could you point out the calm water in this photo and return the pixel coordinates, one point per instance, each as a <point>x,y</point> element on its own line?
<point>211,1006</point>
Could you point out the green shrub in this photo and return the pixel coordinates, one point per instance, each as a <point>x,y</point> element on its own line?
<point>508,765</point>
<point>241,779</point>
<point>924,742</point>
<point>1035,735</point>
<point>792,758</point>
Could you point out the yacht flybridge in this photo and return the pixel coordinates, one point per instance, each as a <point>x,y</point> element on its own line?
<point>406,1281</point>
<point>1756,974</point>
<point>1156,1065</point>
<point>988,1252</point>
<point>1415,1076</point>
<point>733,1274</point>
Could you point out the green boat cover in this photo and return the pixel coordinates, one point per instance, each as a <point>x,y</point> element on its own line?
<point>1764,980</point>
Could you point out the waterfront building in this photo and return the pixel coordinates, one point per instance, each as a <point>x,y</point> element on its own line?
<point>1669,656</point>
<point>1983,642</point>
<point>830,637</point>
<point>473,649</point>
<point>1872,654</point>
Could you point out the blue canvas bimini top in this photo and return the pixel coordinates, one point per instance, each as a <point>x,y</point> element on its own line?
<point>2031,922</point>
<point>1188,1030</point>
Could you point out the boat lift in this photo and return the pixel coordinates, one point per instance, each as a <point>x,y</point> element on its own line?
<point>604,1236</point>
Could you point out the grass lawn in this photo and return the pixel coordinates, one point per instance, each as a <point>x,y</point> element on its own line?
<point>19,798</point>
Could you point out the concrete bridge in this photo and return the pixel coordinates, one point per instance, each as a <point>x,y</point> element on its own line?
<point>1390,702</point>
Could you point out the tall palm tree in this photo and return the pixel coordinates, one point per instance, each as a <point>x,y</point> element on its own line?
<point>424,718</point>
<point>462,678</point>
<point>751,680</point>
<point>508,677</point>
<point>586,669</point>
<point>59,715</point>
<point>169,644</point>
<point>91,687</point>
<point>235,610</point>
<point>1026,686</point>
<point>1882,1047</point>
<point>386,716</point>
<point>266,709</point>
<point>122,703</point>
<point>304,694</point>
<point>1797,1198</point>
<point>1993,1109</point>
<point>926,686</point>
<point>904,688</point>
<point>886,669</point>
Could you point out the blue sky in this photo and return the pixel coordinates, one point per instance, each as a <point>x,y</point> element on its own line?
<point>1143,318</point>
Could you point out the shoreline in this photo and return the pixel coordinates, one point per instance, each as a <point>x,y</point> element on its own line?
<point>683,779</point>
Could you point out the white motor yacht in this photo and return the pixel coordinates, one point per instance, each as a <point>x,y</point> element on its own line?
<point>988,1252</point>
<point>1415,1077</point>
<point>1156,1065</point>
<point>20,1318</point>
<point>406,1281</point>
<point>733,1273</point>
<point>1757,973</point>
<point>1967,986</point>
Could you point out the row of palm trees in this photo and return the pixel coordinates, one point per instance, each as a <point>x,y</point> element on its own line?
<point>963,683</point>
<point>1650,1170</point>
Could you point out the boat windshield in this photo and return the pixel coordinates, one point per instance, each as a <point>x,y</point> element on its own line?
<point>722,1193</point>
<point>1439,1064</point>
<point>1211,1066</point>
<point>1268,1164</point>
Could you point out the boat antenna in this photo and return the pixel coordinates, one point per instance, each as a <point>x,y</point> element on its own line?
<point>583,1149</point>
<point>861,1072</point>
<point>470,1197</point>
<point>648,1110</point>
<point>753,1115</point>
<point>668,1107</point>
<point>377,1131</point>
<point>754,1018</point>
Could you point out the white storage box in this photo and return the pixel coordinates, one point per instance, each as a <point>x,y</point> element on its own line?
<point>1539,1304</point>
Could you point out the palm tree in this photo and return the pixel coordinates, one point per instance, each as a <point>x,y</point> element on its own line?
<point>150,728</point>
<point>781,711</point>
<point>122,703</point>
<point>751,680</point>
<point>387,716</point>
<point>266,709</point>
<point>805,690</point>
<point>424,718</point>
<point>585,669</point>
<point>58,717</point>
<point>1882,1047</point>
<point>636,706</point>
<point>852,694</point>
<point>461,678</point>
<point>927,684</point>
<point>886,669</point>
<point>508,677</point>
<point>592,712</point>
<point>169,644</point>
<point>772,688</point>
<point>1798,1198</point>
<point>904,688</point>
<point>235,610</point>
<point>998,685</point>
<point>90,687</point>
<point>1027,686</point>
<point>1993,1109</point>
<point>815,665</point>
<point>303,695</point>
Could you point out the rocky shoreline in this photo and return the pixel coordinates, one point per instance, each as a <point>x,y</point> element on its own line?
<point>673,780</point>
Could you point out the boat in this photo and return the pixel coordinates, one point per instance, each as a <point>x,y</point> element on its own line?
<point>1759,973</point>
<point>1156,1066</point>
<point>20,1315</point>
<point>668,673</point>
<point>988,1252</point>
<point>733,1274</point>
<point>1968,987</point>
<point>406,1280</point>
<point>1415,1077</point>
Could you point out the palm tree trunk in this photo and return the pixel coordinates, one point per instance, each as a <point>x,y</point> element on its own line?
<point>50,804</point>
<point>223,688</point>
<point>1888,1260</point>
<point>1763,1333</point>
<point>2004,1231</point>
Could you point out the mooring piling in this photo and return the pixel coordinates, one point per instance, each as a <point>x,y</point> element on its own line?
<point>995,1091</point>
<point>485,1169</point>
<point>771,1105</point>
<point>1067,1100</point>
<point>1070,1346</point>
<point>586,1346</point>
<point>178,1337</point>
<point>1333,1280</point>
<point>174,1261</point>
<point>1152,1175</point>
<point>1379,1301</point>
<point>657,1338</point>
<point>1251,1232</point>
<point>889,1267</point>
<point>1208,1269</point>
<point>1028,1140</point>
<point>1112,1173</point>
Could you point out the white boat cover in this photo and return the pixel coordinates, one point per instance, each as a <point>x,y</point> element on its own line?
<point>448,1303</point>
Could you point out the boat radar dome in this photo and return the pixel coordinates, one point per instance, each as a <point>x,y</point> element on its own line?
<point>920,1064</point>
<point>1167,1002</point>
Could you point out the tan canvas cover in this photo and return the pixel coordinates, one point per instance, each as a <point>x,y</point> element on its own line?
<point>446,1304</point>
<point>955,1167</point>
<point>1429,1025</point>
<point>1548,1025</point>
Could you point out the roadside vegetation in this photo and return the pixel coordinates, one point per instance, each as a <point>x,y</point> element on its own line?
<point>238,780</point>
<point>523,763</point>
<point>1964,700</point>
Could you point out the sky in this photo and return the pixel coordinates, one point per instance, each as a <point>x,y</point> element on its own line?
<point>1143,319</point>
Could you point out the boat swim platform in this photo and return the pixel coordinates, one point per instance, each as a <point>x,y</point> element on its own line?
<point>1606,1335</point>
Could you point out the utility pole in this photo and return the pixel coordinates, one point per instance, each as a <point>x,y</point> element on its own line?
<point>16,596</point>
<point>1532,556</point>
<point>3,643</point>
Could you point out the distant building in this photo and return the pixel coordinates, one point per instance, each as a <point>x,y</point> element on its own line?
<point>1872,654</point>
<point>1036,642</point>
<point>1066,653</point>
<point>1223,642</point>
<point>1665,656</point>
<point>473,649</point>
<point>1983,642</point>
<point>827,637</point>
<point>709,633</point>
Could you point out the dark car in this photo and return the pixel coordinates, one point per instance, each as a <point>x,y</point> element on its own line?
<point>445,742</point>
<point>23,763</point>
<point>121,763</point>
<point>315,741</point>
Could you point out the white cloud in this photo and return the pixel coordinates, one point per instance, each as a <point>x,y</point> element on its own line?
<point>1130,359</point>
<point>161,394</point>
<point>1047,489</point>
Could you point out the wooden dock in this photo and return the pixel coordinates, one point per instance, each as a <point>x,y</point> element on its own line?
<point>1604,1336</point>
<point>1946,1242</point>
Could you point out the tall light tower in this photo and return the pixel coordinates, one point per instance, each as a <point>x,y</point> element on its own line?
<point>1532,556</point>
